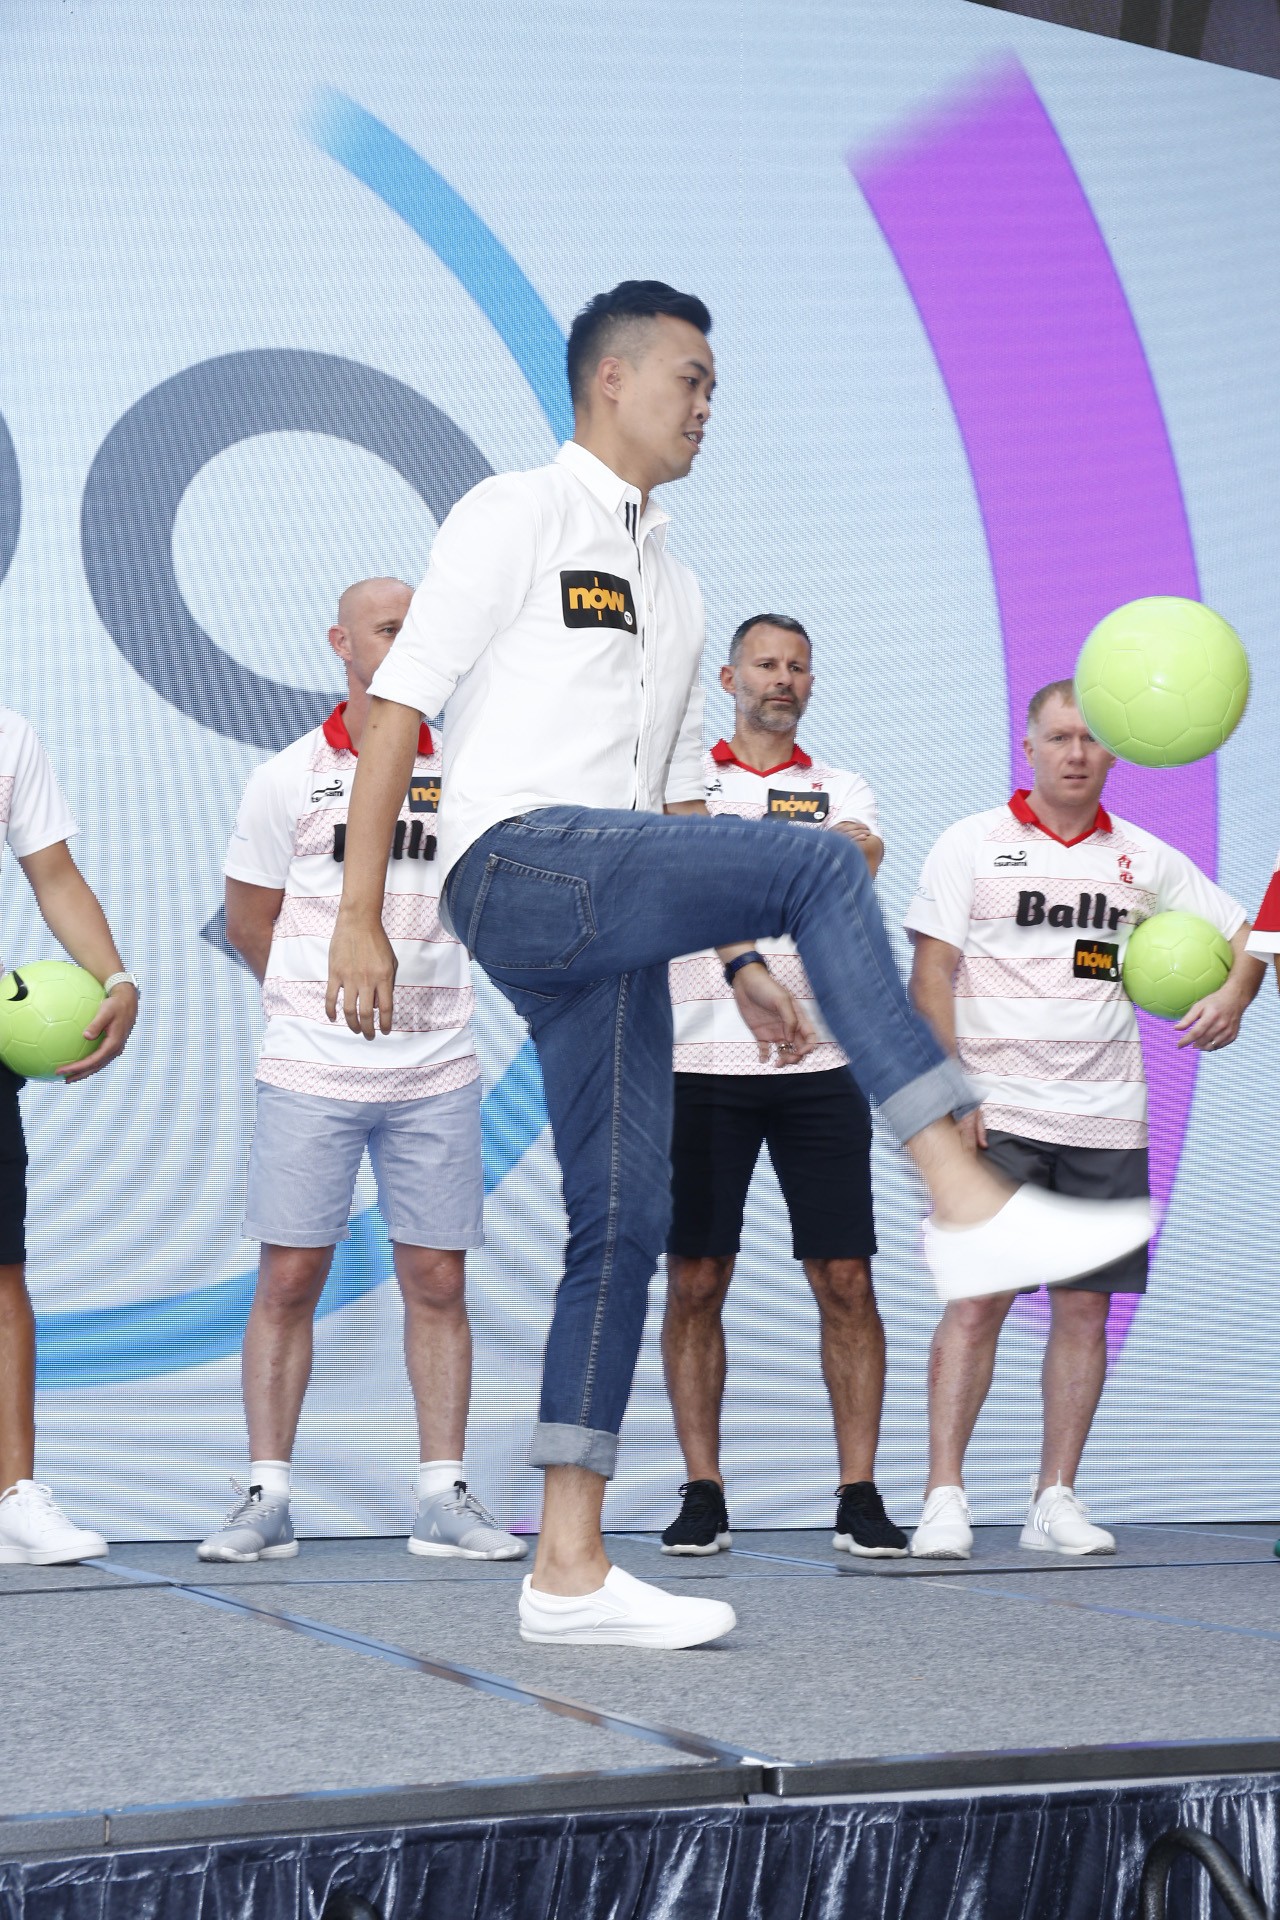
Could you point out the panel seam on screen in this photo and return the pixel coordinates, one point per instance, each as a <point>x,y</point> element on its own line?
<point>1117,1613</point>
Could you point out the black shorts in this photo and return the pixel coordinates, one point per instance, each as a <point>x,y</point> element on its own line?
<point>818,1132</point>
<point>13,1173</point>
<point>1088,1173</point>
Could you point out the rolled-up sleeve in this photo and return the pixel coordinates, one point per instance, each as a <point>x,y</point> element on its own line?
<point>481,568</point>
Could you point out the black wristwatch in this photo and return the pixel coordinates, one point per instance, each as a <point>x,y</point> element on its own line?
<point>749,959</point>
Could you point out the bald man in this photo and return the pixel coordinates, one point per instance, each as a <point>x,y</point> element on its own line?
<point>324,1096</point>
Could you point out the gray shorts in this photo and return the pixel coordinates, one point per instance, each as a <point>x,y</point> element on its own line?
<point>305,1154</point>
<point>1088,1173</point>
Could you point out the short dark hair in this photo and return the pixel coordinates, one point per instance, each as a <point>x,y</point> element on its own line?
<point>783,620</point>
<point>593,332</point>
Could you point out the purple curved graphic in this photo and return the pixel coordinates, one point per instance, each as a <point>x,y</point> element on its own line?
<point>1062,425</point>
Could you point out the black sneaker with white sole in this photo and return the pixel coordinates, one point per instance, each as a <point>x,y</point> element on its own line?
<point>702,1525</point>
<point>863,1526</point>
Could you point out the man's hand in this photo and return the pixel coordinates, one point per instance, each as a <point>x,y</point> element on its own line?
<point>362,968</point>
<point>114,1021</point>
<point>1213,1022</point>
<point>973,1131</point>
<point>860,833</point>
<point>772,1015</point>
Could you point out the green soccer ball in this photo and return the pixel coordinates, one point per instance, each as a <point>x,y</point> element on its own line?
<point>1162,681</point>
<point>1173,960</point>
<point>44,1010</point>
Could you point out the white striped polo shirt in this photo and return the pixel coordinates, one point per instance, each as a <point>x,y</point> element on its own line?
<point>710,1034</point>
<point>290,832</point>
<point>1044,1027</point>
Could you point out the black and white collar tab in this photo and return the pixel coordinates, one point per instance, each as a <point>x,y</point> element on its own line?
<point>611,490</point>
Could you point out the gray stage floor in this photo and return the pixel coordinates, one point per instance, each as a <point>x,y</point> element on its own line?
<point>358,1671</point>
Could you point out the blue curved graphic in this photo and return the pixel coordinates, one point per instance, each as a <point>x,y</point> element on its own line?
<point>458,237</point>
<point>148,1337</point>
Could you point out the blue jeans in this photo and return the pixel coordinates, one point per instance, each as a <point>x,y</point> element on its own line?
<point>573,913</point>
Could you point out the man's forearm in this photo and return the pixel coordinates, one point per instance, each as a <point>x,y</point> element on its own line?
<point>934,996</point>
<point>1247,971</point>
<point>72,912</point>
<point>387,750</point>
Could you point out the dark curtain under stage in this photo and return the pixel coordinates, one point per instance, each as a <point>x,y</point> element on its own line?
<point>1073,1855</point>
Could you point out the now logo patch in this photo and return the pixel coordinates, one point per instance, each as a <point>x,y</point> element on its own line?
<point>591,599</point>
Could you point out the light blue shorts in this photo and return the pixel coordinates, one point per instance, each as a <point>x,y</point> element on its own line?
<point>305,1154</point>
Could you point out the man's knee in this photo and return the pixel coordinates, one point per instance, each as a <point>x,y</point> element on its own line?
<point>1078,1313</point>
<point>975,1322</point>
<point>698,1286</point>
<point>431,1277</point>
<point>291,1279</point>
<point>842,1288</point>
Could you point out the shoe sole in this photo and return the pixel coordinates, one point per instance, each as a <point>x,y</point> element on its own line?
<point>1074,1553</point>
<point>941,1553</point>
<point>721,1542</point>
<point>846,1543</point>
<point>439,1550</point>
<point>672,1639</point>
<point>50,1556</point>
<point>285,1552</point>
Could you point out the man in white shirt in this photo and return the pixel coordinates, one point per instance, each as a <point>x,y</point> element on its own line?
<point>36,822</point>
<point>1019,925</point>
<point>322,1099</point>
<point>566,640</point>
<point>812,1116</point>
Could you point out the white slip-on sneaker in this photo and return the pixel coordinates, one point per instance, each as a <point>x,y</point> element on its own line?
<point>946,1527</point>
<point>624,1612</point>
<point>1058,1522</point>
<point>35,1532</point>
<point>1037,1239</point>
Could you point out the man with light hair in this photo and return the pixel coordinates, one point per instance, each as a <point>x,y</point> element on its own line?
<point>1019,926</point>
<point>322,1099</point>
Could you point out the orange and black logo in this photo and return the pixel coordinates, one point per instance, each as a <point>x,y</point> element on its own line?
<point>1096,960</point>
<point>812,808</point>
<point>597,600</point>
<point>424,793</point>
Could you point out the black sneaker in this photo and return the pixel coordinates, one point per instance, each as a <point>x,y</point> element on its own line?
<point>702,1525</point>
<point>863,1526</point>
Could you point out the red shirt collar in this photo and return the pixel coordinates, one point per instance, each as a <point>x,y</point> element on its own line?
<point>1020,808</point>
<point>335,732</point>
<point>724,756</point>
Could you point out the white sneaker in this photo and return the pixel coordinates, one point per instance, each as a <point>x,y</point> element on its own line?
<point>624,1612</point>
<point>35,1532</point>
<point>1037,1239</point>
<point>946,1527</point>
<point>1058,1522</point>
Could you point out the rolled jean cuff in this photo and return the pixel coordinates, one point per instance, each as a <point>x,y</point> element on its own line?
<point>554,1445</point>
<point>930,1096</point>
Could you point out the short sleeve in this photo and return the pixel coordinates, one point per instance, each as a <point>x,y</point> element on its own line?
<point>1184,889</point>
<point>857,802</point>
<point>1264,940</point>
<point>942,904</point>
<point>38,812</point>
<point>261,846</point>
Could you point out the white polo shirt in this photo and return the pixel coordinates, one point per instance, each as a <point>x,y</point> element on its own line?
<point>710,1034</point>
<point>565,640</point>
<point>33,809</point>
<point>291,832</point>
<point>1044,1028</point>
<point>1264,935</point>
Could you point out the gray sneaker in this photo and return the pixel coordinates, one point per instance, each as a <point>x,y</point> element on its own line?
<point>258,1527</point>
<point>455,1523</point>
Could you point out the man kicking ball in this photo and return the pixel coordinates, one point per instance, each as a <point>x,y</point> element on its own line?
<point>566,639</point>
<point>729,1102</point>
<point>322,1099</point>
<point>1019,925</point>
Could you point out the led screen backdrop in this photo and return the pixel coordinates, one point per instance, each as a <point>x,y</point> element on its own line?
<point>996,311</point>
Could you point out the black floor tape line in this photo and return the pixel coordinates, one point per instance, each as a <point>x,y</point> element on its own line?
<point>674,1738</point>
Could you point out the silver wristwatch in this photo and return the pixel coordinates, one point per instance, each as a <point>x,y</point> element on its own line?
<point>120,980</point>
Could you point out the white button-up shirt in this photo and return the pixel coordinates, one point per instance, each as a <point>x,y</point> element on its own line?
<point>566,641</point>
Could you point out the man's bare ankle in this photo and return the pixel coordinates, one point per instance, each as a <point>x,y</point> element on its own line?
<point>570,1578</point>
